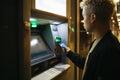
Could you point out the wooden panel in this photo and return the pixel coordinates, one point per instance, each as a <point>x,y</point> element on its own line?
<point>24,40</point>
<point>78,71</point>
<point>47,15</point>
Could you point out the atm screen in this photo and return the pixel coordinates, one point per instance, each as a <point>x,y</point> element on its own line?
<point>40,50</point>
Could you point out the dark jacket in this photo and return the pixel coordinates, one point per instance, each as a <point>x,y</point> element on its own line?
<point>103,62</point>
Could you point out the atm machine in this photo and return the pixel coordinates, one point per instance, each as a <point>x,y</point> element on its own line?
<point>45,51</point>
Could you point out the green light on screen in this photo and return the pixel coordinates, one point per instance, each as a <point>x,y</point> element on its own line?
<point>33,22</point>
<point>58,39</point>
<point>34,26</point>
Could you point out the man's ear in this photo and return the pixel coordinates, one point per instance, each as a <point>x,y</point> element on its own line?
<point>93,18</point>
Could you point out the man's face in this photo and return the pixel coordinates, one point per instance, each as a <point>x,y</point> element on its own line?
<point>87,20</point>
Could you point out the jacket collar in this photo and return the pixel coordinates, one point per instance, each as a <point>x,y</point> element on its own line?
<point>108,34</point>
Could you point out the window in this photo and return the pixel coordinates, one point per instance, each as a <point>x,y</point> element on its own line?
<point>53,6</point>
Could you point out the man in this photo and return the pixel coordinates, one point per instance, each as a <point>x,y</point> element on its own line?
<point>103,60</point>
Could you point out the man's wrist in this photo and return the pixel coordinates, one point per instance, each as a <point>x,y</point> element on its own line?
<point>67,49</point>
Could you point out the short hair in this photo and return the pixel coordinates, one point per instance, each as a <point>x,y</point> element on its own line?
<point>102,8</point>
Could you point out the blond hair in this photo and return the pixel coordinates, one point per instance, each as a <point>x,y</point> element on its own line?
<point>103,9</point>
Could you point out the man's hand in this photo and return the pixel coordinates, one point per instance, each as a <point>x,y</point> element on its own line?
<point>65,50</point>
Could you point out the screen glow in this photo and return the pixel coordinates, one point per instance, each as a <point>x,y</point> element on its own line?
<point>34,42</point>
